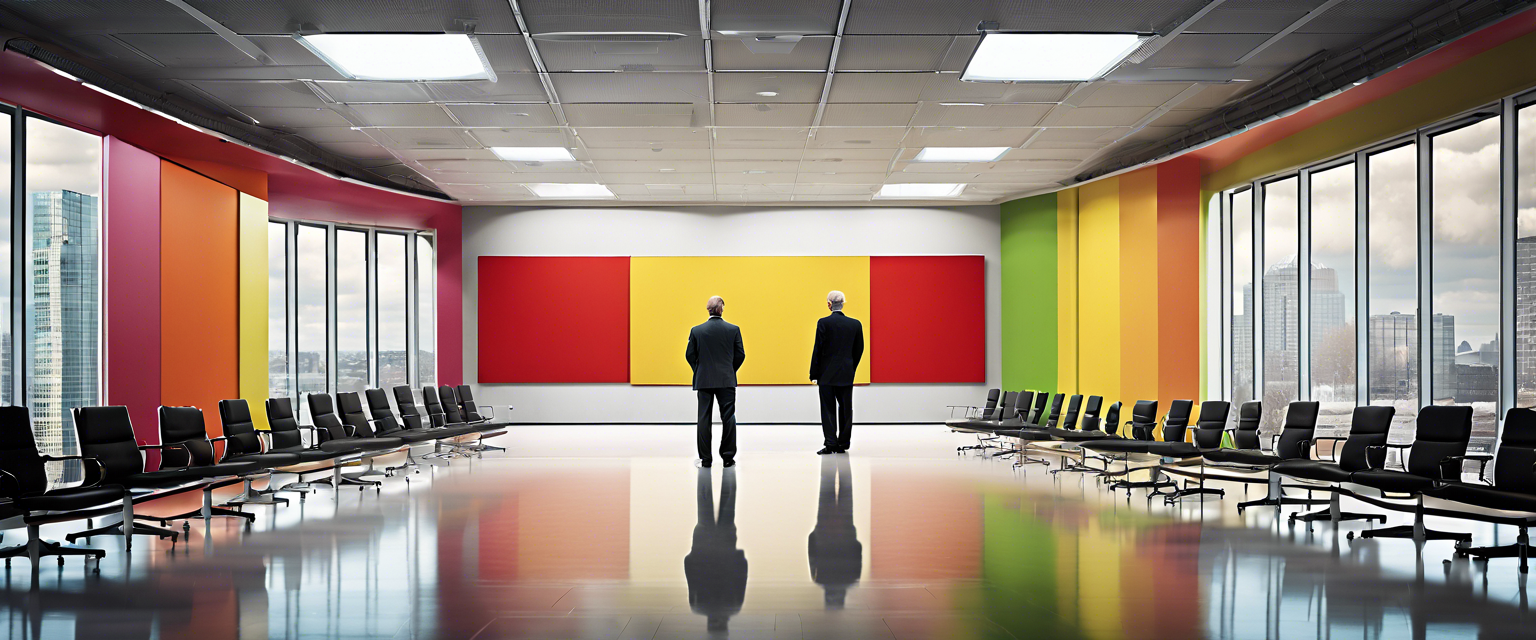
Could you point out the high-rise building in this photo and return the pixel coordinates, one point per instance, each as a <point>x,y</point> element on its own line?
<point>1282,333</point>
<point>66,310</point>
<point>1392,356</point>
<point>1525,320</point>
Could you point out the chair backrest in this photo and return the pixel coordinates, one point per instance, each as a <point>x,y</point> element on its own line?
<point>1069,421</point>
<point>467,402</point>
<point>1143,419</point>
<point>993,395</point>
<point>1368,428</point>
<point>1246,435</point>
<point>1514,465</point>
<point>18,451</point>
<point>434,406</point>
<point>1440,432</point>
<point>239,427</point>
<point>185,426</point>
<point>1091,413</point>
<point>408,411</point>
<point>453,412</point>
<point>1037,413</point>
<point>1021,406</point>
<point>350,406</point>
<point>106,434</point>
<point>324,414</point>
<point>1111,419</point>
<point>283,425</point>
<point>1211,423</point>
<point>1176,423</point>
<point>1005,408</point>
<point>378,409</point>
<point>1299,429</point>
<point>1055,416</point>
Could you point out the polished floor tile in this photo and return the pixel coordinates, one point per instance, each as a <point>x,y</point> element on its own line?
<point>611,532</point>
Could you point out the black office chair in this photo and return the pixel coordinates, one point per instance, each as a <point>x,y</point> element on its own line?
<point>971,412</point>
<point>1440,436</point>
<point>472,411</point>
<point>1069,421</point>
<point>288,437</point>
<point>1175,425</point>
<point>1368,429</point>
<point>1294,442</point>
<point>983,427</point>
<point>1037,413</point>
<point>240,428</point>
<point>434,407</point>
<point>413,418</point>
<point>385,423</point>
<point>1209,427</point>
<point>106,434</point>
<point>330,427</point>
<point>1245,434</point>
<point>24,483</point>
<point>1054,417</point>
<point>185,425</point>
<point>1514,486</point>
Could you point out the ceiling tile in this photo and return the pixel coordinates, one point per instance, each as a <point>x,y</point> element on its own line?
<point>791,153</point>
<point>979,115</point>
<point>503,115</point>
<point>770,166</point>
<point>637,115</point>
<point>657,154</point>
<point>1179,117</point>
<point>292,117</point>
<point>961,16</point>
<point>754,178</point>
<point>764,115</point>
<point>867,115</point>
<point>660,167</point>
<point>682,54</point>
<point>529,137</point>
<point>1115,94</point>
<point>966,137</point>
<point>761,138</point>
<point>863,153</point>
<point>893,53</point>
<point>420,138</point>
<point>260,94</point>
<point>775,16</point>
<point>652,178</point>
<point>1204,50</point>
<point>1214,95</point>
<point>947,87</point>
<point>652,137</point>
<point>631,87</point>
<point>810,54</point>
<point>177,50</point>
<point>547,16</point>
<point>464,166</point>
<point>1078,134</point>
<point>508,87</point>
<point>356,91</point>
<point>877,87</point>
<point>401,115</point>
<point>360,16</point>
<point>332,134</point>
<point>787,87</point>
<point>841,165</point>
<point>1096,116</point>
<point>857,138</point>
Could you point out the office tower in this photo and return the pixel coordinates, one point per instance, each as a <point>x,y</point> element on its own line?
<point>66,301</point>
<point>1525,320</point>
<point>1392,348</point>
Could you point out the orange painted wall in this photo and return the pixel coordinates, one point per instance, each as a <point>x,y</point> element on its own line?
<point>1139,362</point>
<point>199,292</point>
<point>1178,280</point>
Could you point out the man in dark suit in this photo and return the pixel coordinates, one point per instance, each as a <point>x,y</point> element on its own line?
<point>839,347</point>
<point>715,353</point>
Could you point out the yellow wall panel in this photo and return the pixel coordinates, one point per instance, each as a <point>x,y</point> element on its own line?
<point>1138,288</point>
<point>253,307</point>
<point>775,300</point>
<point>1066,292</point>
<point>1098,228</point>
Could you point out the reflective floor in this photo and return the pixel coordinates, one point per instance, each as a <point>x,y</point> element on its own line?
<point>625,538</point>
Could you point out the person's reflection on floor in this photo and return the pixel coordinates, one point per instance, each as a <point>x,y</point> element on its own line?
<point>716,569</point>
<point>837,558</point>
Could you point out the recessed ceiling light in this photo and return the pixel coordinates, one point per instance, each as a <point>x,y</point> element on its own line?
<point>920,190</point>
<point>569,190</point>
<point>666,169</point>
<point>767,94</point>
<point>534,154</point>
<point>402,56</point>
<point>960,154</point>
<point>1048,57</point>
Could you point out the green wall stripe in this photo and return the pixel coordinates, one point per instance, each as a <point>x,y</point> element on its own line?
<point>1029,293</point>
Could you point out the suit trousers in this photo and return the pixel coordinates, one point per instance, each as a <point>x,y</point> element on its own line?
<point>726,396</point>
<point>836,415</point>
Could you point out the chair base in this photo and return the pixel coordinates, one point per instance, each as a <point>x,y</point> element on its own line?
<point>1271,501</point>
<point>1180,494</point>
<point>116,529</point>
<point>1414,532</point>
<point>36,547</point>
<point>1327,515</point>
<point>1520,549</point>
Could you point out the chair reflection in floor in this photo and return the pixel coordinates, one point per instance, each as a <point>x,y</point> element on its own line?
<point>715,568</point>
<point>837,558</point>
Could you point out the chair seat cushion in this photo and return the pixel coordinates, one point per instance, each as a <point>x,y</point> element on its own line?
<point>1031,435</point>
<point>1392,481</point>
<point>451,432</point>
<point>1312,470</point>
<point>1249,457</point>
<point>1485,496</point>
<point>338,447</point>
<point>234,468</point>
<point>1118,445</point>
<point>269,459</point>
<point>71,499</point>
<point>1174,449</point>
<point>306,454</point>
<point>159,479</point>
<point>378,444</point>
<point>413,437</point>
<point>1072,435</point>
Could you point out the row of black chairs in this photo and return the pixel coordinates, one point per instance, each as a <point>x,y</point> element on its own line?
<point>117,474</point>
<point>1295,458</point>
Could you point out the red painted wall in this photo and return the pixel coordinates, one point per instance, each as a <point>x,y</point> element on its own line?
<point>1178,279</point>
<point>131,228</point>
<point>527,330</point>
<point>928,319</point>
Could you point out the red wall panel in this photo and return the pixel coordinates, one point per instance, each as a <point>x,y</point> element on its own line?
<point>928,319</point>
<point>132,274</point>
<point>553,319</point>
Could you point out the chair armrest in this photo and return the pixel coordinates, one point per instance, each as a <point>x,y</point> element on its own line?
<point>230,446</point>
<point>1334,452</point>
<point>101,470</point>
<point>12,485</point>
<point>1383,449</point>
<point>174,445</point>
<point>1452,460</point>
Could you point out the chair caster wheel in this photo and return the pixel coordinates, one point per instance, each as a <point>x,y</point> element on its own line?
<point>1349,536</point>
<point>186,526</point>
<point>96,570</point>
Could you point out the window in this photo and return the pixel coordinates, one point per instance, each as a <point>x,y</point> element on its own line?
<point>1464,278</point>
<point>1392,335</point>
<point>313,347</point>
<point>7,343</point>
<point>351,310</point>
<point>426,312</point>
<point>354,319</point>
<point>1242,297</point>
<point>1332,317</point>
<point>277,311</point>
<point>63,208</point>
<point>1525,258</point>
<point>1281,303</point>
<point>394,368</point>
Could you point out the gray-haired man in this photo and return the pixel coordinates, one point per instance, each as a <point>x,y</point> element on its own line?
<point>839,347</point>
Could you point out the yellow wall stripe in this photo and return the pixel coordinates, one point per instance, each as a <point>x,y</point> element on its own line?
<point>1098,368</point>
<point>253,306</point>
<point>1066,292</point>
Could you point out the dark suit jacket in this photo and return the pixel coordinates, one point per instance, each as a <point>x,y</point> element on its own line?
<point>839,347</point>
<point>715,352</point>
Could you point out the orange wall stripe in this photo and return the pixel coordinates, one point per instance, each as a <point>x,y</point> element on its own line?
<point>199,292</point>
<point>1178,280</point>
<point>1139,365</point>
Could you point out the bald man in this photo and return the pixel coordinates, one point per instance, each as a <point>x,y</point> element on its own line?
<point>715,352</point>
<point>839,347</point>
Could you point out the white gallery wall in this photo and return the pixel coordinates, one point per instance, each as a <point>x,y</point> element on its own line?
<point>727,231</point>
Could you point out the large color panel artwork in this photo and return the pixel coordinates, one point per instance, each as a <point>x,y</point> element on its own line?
<point>929,320</point>
<point>775,300</point>
<point>554,319</point>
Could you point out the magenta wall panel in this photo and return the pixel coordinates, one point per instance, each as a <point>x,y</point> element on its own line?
<point>132,283</point>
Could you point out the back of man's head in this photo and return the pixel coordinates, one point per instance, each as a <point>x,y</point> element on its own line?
<point>835,300</point>
<point>716,306</point>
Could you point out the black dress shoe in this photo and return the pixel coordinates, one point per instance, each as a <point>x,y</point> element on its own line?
<point>825,451</point>
<point>730,463</point>
<point>704,463</point>
<point>841,451</point>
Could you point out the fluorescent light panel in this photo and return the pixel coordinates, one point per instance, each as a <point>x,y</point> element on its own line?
<point>534,154</point>
<point>401,56</point>
<point>1048,57</point>
<point>569,190</point>
<point>960,154</point>
<point>921,190</point>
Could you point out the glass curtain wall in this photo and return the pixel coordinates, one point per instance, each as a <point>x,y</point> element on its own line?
<point>1332,317</point>
<point>391,286</point>
<point>1242,298</point>
<point>351,310</point>
<point>278,380</point>
<point>1392,335</point>
<point>426,312</point>
<point>1281,303</point>
<point>7,341</point>
<point>312,358</point>
<point>1525,258</point>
